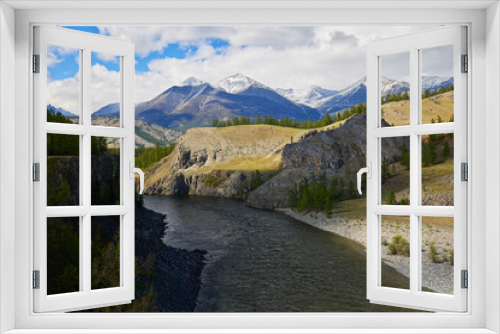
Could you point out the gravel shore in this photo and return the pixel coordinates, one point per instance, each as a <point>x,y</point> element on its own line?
<point>437,275</point>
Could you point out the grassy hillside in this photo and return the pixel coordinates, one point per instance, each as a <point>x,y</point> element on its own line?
<point>237,148</point>
<point>398,113</point>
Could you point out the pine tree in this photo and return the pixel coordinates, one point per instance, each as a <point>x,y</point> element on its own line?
<point>327,120</point>
<point>428,154</point>
<point>385,169</point>
<point>405,95</point>
<point>405,156</point>
<point>292,197</point>
<point>352,189</point>
<point>391,197</point>
<point>446,153</point>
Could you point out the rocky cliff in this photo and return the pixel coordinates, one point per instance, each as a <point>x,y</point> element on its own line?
<point>220,161</point>
<point>339,152</point>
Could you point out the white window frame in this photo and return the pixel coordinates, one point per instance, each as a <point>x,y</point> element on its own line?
<point>412,44</point>
<point>484,49</point>
<point>85,43</point>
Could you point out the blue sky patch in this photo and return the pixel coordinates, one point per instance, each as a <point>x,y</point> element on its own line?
<point>174,50</point>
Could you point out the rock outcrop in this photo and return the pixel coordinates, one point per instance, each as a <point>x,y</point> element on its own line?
<point>215,161</point>
<point>339,152</point>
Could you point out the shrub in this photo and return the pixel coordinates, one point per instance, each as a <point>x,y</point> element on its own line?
<point>433,254</point>
<point>399,246</point>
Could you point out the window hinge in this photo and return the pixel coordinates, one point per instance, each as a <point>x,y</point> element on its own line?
<point>465,279</point>
<point>36,63</point>
<point>36,279</point>
<point>465,64</point>
<point>464,171</point>
<point>36,172</point>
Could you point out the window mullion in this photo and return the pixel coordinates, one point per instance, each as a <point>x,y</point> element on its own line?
<point>86,165</point>
<point>414,169</point>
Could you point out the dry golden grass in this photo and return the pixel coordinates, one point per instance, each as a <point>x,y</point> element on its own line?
<point>250,147</point>
<point>398,113</point>
<point>436,178</point>
<point>244,164</point>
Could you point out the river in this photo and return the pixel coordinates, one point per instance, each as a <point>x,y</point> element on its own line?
<point>265,261</point>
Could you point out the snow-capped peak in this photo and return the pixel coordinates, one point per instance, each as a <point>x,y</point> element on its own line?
<point>311,96</point>
<point>237,83</point>
<point>433,82</point>
<point>192,81</point>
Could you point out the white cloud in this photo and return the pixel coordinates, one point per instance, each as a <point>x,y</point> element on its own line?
<point>106,57</point>
<point>297,57</point>
<point>65,94</point>
<point>328,56</point>
<point>105,89</point>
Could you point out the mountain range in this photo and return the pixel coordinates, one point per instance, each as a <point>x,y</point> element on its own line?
<point>186,106</point>
<point>195,103</point>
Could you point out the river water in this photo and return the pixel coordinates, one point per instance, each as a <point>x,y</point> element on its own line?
<point>265,261</point>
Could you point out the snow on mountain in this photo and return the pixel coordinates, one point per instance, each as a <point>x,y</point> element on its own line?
<point>192,81</point>
<point>237,83</point>
<point>312,96</point>
<point>433,82</point>
<point>391,86</point>
<point>345,98</point>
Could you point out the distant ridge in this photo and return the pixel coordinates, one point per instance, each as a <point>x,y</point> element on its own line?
<point>195,102</point>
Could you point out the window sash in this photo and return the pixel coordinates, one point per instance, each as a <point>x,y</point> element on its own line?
<point>86,298</point>
<point>413,298</point>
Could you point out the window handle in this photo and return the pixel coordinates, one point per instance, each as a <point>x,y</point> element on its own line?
<point>368,171</point>
<point>134,171</point>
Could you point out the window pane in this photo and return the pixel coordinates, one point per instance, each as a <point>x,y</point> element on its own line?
<point>105,89</point>
<point>437,254</point>
<point>395,243</point>
<point>63,166</point>
<point>63,84</point>
<point>395,171</point>
<point>437,85</point>
<point>63,255</point>
<point>105,252</point>
<point>437,169</point>
<point>105,171</point>
<point>395,89</point>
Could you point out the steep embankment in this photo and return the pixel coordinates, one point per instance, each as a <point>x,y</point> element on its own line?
<point>336,153</point>
<point>220,161</point>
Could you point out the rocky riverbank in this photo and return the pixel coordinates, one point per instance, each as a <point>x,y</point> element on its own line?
<point>437,273</point>
<point>176,272</point>
<point>167,279</point>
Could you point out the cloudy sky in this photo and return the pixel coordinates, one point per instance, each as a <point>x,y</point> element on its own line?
<point>284,57</point>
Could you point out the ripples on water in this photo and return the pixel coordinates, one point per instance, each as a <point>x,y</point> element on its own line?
<point>264,261</point>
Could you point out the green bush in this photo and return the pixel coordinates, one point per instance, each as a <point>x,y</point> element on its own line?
<point>433,256</point>
<point>399,246</point>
